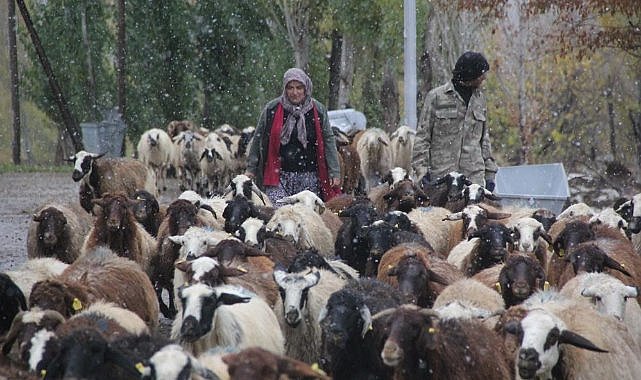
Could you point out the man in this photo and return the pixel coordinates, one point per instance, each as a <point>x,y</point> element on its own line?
<point>452,134</point>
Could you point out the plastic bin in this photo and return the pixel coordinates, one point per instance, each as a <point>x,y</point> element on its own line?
<point>349,121</point>
<point>105,136</point>
<point>535,186</point>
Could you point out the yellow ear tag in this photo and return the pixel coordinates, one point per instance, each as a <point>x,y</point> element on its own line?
<point>370,327</point>
<point>622,265</point>
<point>431,330</point>
<point>140,367</point>
<point>76,305</point>
<point>390,266</point>
<point>316,368</point>
<point>561,252</point>
<point>546,285</point>
<point>43,373</point>
<point>498,287</point>
<point>242,269</point>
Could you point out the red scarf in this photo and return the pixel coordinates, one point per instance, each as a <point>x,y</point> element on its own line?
<point>271,175</point>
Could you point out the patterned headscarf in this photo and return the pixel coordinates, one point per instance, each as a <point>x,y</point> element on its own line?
<point>296,117</point>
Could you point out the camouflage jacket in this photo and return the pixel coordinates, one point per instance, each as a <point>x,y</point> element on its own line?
<point>452,137</point>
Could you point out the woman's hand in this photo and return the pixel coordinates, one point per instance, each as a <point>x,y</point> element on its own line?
<point>335,182</point>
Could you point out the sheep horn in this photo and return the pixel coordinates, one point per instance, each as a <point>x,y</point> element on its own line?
<point>383,313</point>
<point>367,320</point>
<point>577,340</point>
<point>613,264</point>
<point>430,313</point>
<point>10,338</point>
<point>257,191</point>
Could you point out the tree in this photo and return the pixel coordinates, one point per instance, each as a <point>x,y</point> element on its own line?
<point>15,85</point>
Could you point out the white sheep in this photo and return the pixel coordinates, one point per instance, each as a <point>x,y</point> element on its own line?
<point>304,226</point>
<point>216,162</point>
<point>249,231</point>
<point>402,144</point>
<point>225,315</point>
<point>197,240</point>
<point>155,149</point>
<point>441,234</point>
<point>373,147</point>
<point>611,218</point>
<point>314,202</point>
<point>172,362</point>
<point>35,270</point>
<point>473,297</point>
<point>304,294</point>
<point>530,236</point>
<point>557,328</point>
<point>575,210</point>
<point>608,296</point>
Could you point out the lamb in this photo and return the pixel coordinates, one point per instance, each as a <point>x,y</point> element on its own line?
<point>98,176</point>
<point>155,149</point>
<point>99,275</point>
<point>374,150</point>
<point>518,278</point>
<point>446,190</point>
<point>189,146</point>
<point>351,341</point>
<point>610,218</point>
<point>252,232</point>
<point>553,320</point>
<point>402,144</point>
<point>608,296</point>
<point>34,270</point>
<point>422,344</point>
<point>404,196</point>
<point>243,185</point>
<point>416,272</point>
<point>197,240</point>
<point>116,227</point>
<point>239,209</point>
<point>305,227</point>
<point>225,315</point>
<point>304,295</point>
<point>172,362</point>
<point>57,231</point>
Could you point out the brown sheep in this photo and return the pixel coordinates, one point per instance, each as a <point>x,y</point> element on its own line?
<point>116,227</point>
<point>421,345</point>
<point>416,272</point>
<point>100,275</point>
<point>99,176</point>
<point>258,363</point>
<point>57,231</point>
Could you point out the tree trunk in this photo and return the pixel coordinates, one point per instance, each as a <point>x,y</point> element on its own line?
<point>70,123</point>
<point>334,70</point>
<point>608,97</point>
<point>15,84</point>
<point>91,74</point>
<point>121,54</point>
<point>346,72</point>
<point>425,81</point>
<point>389,100</point>
<point>296,15</point>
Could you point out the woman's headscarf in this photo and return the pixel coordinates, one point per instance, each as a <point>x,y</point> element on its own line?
<point>296,117</point>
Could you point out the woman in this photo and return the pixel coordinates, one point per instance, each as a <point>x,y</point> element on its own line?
<point>293,148</point>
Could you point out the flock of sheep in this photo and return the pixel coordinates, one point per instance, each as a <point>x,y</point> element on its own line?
<point>392,279</point>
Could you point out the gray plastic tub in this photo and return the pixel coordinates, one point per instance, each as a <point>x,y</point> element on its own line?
<point>535,186</point>
<point>349,121</point>
<point>105,136</point>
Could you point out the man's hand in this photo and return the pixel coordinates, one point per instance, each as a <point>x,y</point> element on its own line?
<point>490,185</point>
<point>250,175</point>
<point>335,182</point>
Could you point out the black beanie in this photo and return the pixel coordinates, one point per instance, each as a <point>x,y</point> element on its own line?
<point>470,66</point>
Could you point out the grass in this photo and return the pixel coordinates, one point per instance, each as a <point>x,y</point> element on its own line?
<point>11,168</point>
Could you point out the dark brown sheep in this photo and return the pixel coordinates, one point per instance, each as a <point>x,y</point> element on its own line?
<point>420,345</point>
<point>257,363</point>
<point>147,211</point>
<point>58,231</point>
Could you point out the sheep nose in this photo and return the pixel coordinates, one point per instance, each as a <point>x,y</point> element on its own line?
<point>77,175</point>
<point>526,247</point>
<point>189,329</point>
<point>292,316</point>
<point>528,355</point>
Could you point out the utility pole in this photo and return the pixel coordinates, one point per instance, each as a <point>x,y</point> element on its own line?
<point>15,89</point>
<point>409,38</point>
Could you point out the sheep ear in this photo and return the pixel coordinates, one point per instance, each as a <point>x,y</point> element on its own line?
<point>545,235</point>
<point>613,264</point>
<point>231,299</point>
<point>393,271</point>
<point>279,274</point>
<point>367,320</point>
<point>177,239</point>
<point>182,265</point>
<point>569,337</point>
<point>203,155</point>
<point>312,279</point>
<point>513,327</point>
<point>286,201</point>
<point>322,314</point>
<point>320,207</point>
<point>588,292</point>
<point>631,291</point>
<point>435,277</point>
<point>97,156</point>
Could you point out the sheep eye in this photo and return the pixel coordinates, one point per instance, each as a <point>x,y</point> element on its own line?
<point>625,298</point>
